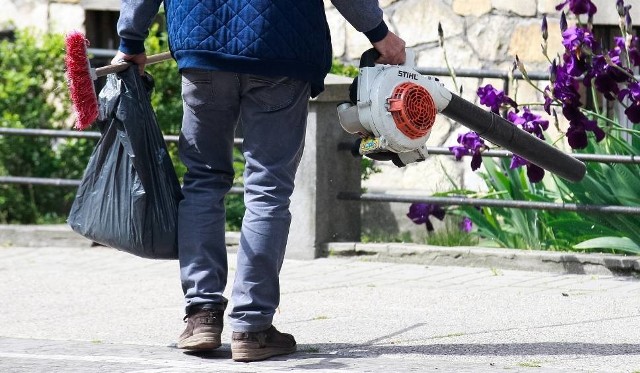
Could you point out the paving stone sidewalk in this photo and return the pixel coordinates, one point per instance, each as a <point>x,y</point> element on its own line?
<point>71,309</point>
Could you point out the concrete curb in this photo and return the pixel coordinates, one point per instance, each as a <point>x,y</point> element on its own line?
<point>54,235</point>
<point>57,235</point>
<point>542,261</point>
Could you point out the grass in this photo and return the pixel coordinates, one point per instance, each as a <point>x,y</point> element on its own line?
<point>447,335</point>
<point>450,235</point>
<point>531,364</point>
<point>377,236</point>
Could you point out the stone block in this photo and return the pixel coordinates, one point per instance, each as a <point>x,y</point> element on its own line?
<point>548,7</point>
<point>29,13</point>
<point>356,43</point>
<point>65,17</point>
<point>521,8</point>
<point>338,27</point>
<point>526,42</point>
<point>460,54</point>
<point>471,8</point>
<point>386,3</point>
<point>488,36</point>
<point>417,21</point>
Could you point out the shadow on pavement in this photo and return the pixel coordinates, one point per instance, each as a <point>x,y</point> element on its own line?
<point>474,349</point>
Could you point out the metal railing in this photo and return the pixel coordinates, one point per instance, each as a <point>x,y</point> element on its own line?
<point>373,197</point>
<point>370,197</point>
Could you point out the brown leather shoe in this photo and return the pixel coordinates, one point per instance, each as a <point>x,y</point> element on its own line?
<point>254,346</point>
<point>203,330</point>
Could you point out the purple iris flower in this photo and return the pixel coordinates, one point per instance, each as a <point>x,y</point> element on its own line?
<point>419,213</point>
<point>470,143</point>
<point>633,50</point>
<point>620,7</point>
<point>574,65</point>
<point>577,137</point>
<point>577,38</point>
<point>529,122</point>
<point>517,161</point>
<point>606,78</point>
<point>548,99</point>
<point>563,22</point>
<point>580,45</point>
<point>620,45</point>
<point>578,7</point>
<point>579,124</point>
<point>534,173</point>
<point>494,98</point>
<point>632,92</point>
<point>466,225</point>
<point>633,112</point>
<point>565,86</point>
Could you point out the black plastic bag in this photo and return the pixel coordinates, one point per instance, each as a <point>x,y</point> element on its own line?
<point>129,194</point>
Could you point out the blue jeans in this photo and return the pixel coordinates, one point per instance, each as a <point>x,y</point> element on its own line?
<point>273,113</point>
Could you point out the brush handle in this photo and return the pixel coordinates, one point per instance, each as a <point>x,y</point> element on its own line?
<point>121,66</point>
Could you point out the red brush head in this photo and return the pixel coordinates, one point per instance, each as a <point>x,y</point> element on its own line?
<point>81,89</point>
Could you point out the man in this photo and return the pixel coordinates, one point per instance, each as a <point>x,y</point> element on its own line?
<point>256,62</point>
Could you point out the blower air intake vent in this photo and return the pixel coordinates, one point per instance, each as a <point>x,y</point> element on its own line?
<point>412,109</point>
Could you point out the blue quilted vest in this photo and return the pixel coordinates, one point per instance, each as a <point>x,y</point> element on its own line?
<point>267,37</point>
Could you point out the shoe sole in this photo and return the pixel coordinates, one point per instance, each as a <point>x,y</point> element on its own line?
<point>201,341</point>
<point>254,354</point>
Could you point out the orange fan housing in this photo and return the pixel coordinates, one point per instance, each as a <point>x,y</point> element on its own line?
<point>413,110</point>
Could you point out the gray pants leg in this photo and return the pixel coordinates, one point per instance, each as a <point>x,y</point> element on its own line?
<point>273,112</point>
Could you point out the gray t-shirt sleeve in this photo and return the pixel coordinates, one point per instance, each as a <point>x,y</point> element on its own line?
<point>135,19</point>
<point>363,15</point>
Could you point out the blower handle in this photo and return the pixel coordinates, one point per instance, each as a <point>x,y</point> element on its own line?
<point>369,58</point>
<point>500,131</point>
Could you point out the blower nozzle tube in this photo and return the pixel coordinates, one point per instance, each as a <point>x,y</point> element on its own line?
<point>499,131</point>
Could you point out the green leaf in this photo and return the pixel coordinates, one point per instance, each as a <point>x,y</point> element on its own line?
<point>616,243</point>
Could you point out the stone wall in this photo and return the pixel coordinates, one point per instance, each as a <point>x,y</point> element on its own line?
<point>479,34</point>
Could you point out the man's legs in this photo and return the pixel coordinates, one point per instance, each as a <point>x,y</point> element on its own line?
<point>211,110</point>
<point>274,116</point>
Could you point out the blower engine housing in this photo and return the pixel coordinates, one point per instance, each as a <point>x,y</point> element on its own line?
<point>395,110</point>
<point>392,108</point>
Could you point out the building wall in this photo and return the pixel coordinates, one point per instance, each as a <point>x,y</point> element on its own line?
<point>52,15</point>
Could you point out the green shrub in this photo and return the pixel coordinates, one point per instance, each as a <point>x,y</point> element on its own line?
<point>33,95</point>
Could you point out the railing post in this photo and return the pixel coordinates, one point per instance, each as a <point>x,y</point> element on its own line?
<point>327,168</point>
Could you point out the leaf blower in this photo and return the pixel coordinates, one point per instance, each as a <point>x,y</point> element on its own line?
<point>393,109</point>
